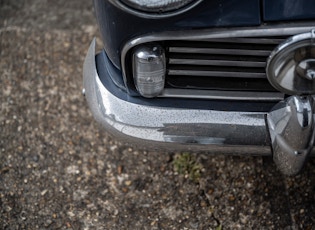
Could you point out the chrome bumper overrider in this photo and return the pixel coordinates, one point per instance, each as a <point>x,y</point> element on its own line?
<point>199,130</point>
<point>291,125</point>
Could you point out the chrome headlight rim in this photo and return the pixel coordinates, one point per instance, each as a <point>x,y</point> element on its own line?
<point>154,14</point>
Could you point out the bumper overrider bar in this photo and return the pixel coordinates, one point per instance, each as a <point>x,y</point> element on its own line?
<point>291,126</point>
<point>225,132</point>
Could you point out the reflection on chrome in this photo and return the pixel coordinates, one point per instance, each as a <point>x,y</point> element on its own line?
<point>291,127</point>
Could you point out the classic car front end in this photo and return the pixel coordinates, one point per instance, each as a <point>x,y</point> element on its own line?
<point>222,76</point>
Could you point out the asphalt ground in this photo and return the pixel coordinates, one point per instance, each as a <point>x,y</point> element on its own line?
<point>60,170</point>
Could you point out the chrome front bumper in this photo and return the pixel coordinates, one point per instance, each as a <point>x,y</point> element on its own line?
<point>173,128</point>
<point>178,129</point>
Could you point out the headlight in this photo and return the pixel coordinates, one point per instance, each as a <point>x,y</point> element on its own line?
<point>157,6</point>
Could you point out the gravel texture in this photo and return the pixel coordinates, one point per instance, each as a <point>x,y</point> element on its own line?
<point>60,170</point>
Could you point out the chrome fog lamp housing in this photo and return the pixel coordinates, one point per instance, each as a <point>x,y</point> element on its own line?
<point>291,66</point>
<point>149,68</point>
<point>157,6</point>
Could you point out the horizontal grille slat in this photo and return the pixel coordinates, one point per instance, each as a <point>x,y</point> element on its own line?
<point>226,95</point>
<point>217,62</point>
<point>215,73</point>
<point>219,83</point>
<point>220,51</point>
<point>257,40</point>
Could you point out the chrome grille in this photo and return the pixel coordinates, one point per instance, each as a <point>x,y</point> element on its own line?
<point>221,64</point>
<point>229,64</point>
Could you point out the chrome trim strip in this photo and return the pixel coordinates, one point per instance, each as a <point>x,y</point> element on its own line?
<point>216,33</point>
<point>222,95</point>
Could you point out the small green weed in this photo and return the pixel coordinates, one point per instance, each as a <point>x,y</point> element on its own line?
<point>186,164</point>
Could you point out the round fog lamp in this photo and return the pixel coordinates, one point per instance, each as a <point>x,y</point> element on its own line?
<point>157,6</point>
<point>291,66</point>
